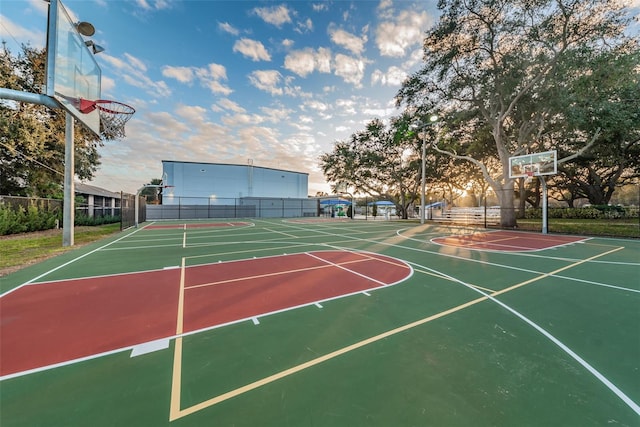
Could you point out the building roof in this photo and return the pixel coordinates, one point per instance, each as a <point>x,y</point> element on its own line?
<point>82,188</point>
<point>235,164</point>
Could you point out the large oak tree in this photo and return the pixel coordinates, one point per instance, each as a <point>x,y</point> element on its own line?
<point>497,61</point>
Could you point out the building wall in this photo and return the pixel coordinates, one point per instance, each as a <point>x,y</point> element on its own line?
<point>207,183</point>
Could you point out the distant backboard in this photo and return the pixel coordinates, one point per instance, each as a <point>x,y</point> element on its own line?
<point>533,164</point>
<point>72,71</point>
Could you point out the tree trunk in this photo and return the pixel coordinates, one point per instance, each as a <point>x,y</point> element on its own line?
<point>506,197</point>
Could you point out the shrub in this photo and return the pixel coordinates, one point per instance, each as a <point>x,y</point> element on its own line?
<point>592,212</point>
<point>95,220</point>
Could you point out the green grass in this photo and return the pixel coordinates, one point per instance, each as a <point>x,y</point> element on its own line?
<point>21,250</point>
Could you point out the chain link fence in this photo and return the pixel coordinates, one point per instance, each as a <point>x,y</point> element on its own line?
<point>247,207</point>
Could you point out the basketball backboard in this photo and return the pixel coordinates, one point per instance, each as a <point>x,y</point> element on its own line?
<point>72,71</point>
<point>537,164</point>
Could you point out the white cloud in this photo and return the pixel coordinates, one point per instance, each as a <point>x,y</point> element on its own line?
<point>350,69</point>
<point>395,37</point>
<point>181,74</point>
<point>252,49</point>
<point>208,77</point>
<point>287,43</point>
<point>267,80</point>
<point>276,115</point>
<point>107,84</point>
<point>347,106</point>
<point>154,4</point>
<point>228,28</point>
<point>320,7</point>
<point>192,113</point>
<point>301,62</point>
<point>393,77</point>
<point>227,104</point>
<point>305,26</point>
<point>10,31</point>
<point>306,61</point>
<point>323,60</point>
<point>133,72</point>
<point>351,42</point>
<point>275,15</point>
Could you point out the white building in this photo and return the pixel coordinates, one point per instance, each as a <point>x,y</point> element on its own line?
<point>215,183</point>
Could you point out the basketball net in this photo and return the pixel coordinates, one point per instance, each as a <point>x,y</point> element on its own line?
<point>529,176</point>
<point>113,116</point>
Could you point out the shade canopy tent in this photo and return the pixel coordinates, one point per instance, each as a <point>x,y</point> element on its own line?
<point>436,205</point>
<point>332,202</point>
<point>381,203</point>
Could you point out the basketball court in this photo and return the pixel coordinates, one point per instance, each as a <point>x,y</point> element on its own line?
<point>306,322</point>
<point>327,323</point>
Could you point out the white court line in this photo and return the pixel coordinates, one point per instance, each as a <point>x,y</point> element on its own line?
<point>626,399</point>
<point>66,264</point>
<point>348,270</point>
<point>282,232</point>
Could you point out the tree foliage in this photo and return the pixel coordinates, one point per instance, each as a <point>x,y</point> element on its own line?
<point>32,137</point>
<point>153,195</point>
<point>379,160</point>
<point>493,66</point>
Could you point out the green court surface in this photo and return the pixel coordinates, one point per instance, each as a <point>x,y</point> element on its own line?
<point>543,337</point>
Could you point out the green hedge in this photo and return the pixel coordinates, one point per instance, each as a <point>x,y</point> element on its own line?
<point>96,220</point>
<point>592,212</point>
<point>20,220</point>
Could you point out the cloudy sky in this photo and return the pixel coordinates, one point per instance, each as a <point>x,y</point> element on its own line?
<point>272,82</point>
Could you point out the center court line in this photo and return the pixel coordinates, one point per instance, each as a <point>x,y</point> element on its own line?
<point>176,379</point>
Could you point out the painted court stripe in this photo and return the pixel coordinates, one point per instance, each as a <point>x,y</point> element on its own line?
<point>346,269</point>
<point>278,273</point>
<point>252,386</point>
<point>626,399</point>
<point>149,347</point>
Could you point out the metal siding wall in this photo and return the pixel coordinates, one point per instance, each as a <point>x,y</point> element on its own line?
<point>219,181</point>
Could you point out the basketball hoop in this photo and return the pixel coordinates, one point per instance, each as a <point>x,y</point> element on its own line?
<point>113,116</point>
<point>529,176</point>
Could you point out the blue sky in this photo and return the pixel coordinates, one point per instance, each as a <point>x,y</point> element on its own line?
<point>231,81</point>
<point>228,81</point>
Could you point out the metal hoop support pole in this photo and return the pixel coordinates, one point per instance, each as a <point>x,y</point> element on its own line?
<point>68,213</point>
<point>545,228</point>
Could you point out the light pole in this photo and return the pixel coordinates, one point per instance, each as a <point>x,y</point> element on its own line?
<point>432,119</point>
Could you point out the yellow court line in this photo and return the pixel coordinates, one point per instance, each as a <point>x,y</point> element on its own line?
<point>176,412</point>
<point>176,380</point>
<point>318,360</point>
<point>439,276</point>
<point>566,267</point>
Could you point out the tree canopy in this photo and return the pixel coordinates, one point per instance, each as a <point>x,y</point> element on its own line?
<point>32,137</point>
<point>508,73</point>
